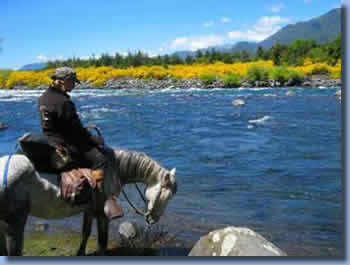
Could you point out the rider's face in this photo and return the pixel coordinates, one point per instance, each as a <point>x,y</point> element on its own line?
<point>69,84</point>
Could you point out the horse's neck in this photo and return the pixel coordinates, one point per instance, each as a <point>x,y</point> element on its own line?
<point>134,176</point>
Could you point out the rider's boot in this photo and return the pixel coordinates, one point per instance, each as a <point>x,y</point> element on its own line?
<point>111,207</point>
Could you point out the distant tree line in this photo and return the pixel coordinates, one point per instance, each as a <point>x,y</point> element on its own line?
<point>293,54</point>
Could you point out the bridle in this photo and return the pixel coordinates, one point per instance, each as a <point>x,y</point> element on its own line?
<point>138,211</point>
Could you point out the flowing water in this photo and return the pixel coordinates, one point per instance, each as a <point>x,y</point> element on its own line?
<point>273,165</point>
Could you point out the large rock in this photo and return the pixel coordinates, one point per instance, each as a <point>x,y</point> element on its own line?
<point>238,102</point>
<point>235,241</point>
<point>128,230</point>
<point>290,94</point>
<point>338,94</point>
<point>3,126</point>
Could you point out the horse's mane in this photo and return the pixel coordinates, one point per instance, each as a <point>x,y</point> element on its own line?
<point>132,165</point>
<point>125,166</point>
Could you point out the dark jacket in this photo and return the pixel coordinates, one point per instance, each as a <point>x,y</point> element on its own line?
<point>60,121</point>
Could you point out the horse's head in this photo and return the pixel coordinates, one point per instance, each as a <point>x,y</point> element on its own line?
<point>158,195</point>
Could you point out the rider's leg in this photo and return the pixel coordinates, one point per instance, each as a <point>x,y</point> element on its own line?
<point>111,206</point>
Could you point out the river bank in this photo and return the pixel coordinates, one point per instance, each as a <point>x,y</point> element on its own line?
<point>316,81</point>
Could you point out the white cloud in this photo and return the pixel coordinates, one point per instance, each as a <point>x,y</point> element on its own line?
<point>197,42</point>
<point>208,24</point>
<point>225,20</point>
<point>276,8</point>
<point>44,58</point>
<point>265,27</point>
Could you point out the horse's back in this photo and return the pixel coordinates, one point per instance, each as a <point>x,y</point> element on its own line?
<point>13,168</point>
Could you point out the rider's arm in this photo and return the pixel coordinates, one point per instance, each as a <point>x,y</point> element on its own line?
<point>71,118</point>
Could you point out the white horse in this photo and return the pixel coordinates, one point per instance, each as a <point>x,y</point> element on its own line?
<point>24,191</point>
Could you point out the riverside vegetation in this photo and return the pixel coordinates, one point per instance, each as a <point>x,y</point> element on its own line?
<point>281,65</point>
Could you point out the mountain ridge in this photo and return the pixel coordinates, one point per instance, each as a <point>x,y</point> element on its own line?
<point>321,29</point>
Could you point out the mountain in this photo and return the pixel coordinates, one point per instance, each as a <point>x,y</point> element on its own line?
<point>33,66</point>
<point>321,29</point>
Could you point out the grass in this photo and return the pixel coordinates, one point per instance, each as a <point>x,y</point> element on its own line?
<point>67,243</point>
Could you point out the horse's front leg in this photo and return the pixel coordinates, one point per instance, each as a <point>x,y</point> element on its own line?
<point>102,234</point>
<point>15,234</point>
<point>87,223</point>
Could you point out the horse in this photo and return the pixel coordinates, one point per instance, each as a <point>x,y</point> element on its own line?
<point>25,191</point>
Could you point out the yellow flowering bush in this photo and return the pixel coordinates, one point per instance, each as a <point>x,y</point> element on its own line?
<point>29,78</point>
<point>98,76</point>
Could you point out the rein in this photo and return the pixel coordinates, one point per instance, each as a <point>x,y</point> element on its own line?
<point>139,212</point>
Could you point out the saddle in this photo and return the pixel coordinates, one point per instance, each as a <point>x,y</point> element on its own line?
<point>75,180</point>
<point>77,183</point>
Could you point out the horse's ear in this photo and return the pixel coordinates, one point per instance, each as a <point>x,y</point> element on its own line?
<point>173,171</point>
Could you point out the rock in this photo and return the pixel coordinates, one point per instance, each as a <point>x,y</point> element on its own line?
<point>40,226</point>
<point>338,94</point>
<point>3,126</point>
<point>238,102</point>
<point>128,230</point>
<point>290,94</point>
<point>235,241</point>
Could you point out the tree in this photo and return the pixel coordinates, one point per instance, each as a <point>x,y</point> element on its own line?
<point>333,50</point>
<point>260,53</point>
<point>189,60</point>
<point>276,53</point>
<point>297,51</point>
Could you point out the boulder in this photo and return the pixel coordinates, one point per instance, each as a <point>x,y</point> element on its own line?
<point>235,241</point>
<point>290,94</point>
<point>3,126</point>
<point>238,102</point>
<point>128,230</point>
<point>338,94</point>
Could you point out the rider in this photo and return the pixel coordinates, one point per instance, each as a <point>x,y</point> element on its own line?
<point>61,124</point>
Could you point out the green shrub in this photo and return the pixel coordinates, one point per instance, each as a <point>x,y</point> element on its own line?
<point>232,81</point>
<point>320,70</point>
<point>280,74</point>
<point>257,73</point>
<point>4,73</point>
<point>295,77</point>
<point>208,78</point>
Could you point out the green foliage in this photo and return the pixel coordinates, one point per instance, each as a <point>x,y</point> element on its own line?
<point>333,50</point>
<point>232,81</point>
<point>283,74</point>
<point>295,77</point>
<point>322,70</point>
<point>260,53</point>
<point>208,79</point>
<point>280,54</point>
<point>297,50</point>
<point>279,73</point>
<point>277,52</point>
<point>4,73</point>
<point>257,73</point>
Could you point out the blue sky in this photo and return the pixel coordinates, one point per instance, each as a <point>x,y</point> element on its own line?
<point>34,31</point>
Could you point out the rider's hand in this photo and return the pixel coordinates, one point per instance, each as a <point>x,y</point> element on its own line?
<point>98,140</point>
